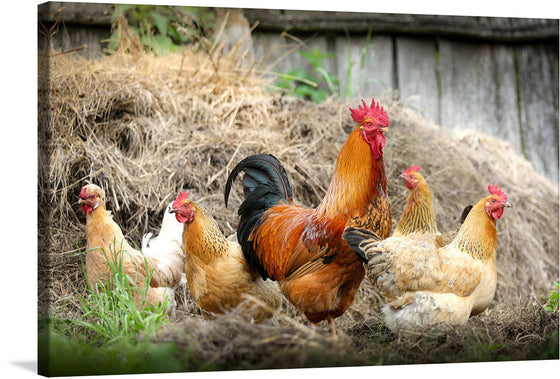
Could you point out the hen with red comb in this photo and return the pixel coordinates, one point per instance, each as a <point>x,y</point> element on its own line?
<point>425,285</point>
<point>219,278</point>
<point>105,240</point>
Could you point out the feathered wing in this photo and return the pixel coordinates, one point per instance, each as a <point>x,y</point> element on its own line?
<point>165,266</point>
<point>280,246</point>
<point>262,296</point>
<point>164,253</point>
<point>361,240</point>
<point>399,265</point>
<point>167,269</point>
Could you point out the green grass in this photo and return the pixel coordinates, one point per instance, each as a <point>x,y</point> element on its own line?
<point>111,335</point>
<point>111,313</point>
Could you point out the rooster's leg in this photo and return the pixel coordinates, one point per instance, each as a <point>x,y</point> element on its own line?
<point>332,327</point>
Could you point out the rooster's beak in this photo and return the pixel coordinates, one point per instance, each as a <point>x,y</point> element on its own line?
<point>173,210</point>
<point>384,130</point>
<point>506,204</point>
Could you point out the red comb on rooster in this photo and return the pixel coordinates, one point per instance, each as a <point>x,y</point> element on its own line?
<point>374,111</point>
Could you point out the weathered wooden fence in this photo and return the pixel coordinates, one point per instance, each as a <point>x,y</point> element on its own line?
<point>496,75</point>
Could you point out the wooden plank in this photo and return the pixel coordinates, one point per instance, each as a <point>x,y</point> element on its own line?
<point>416,72</point>
<point>70,37</point>
<point>538,87</point>
<point>498,114</point>
<point>487,28</point>
<point>93,14</point>
<point>371,71</point>
<point>478,89</point>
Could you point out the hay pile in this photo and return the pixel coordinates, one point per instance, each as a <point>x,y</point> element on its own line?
<point>145,128</point>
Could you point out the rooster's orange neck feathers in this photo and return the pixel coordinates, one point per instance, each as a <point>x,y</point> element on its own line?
<point>357,179</point>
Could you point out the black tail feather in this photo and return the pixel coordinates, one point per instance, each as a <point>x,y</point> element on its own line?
<point>265,184</point>
<point>260,169</point>
<point>355,236</point>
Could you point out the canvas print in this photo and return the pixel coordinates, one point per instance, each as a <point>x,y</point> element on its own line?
<point>247,189</point>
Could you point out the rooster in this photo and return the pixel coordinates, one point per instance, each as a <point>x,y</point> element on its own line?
<point>217,273</point>
<point>302,248</point>
<point>418,217</point>
<point>106,242</point>
<point>425,285</point>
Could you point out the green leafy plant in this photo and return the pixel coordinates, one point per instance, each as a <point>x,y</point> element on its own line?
<point>319,84</point>
<point>163,29</point>
<point>552,303</point>
<point>305,85</point>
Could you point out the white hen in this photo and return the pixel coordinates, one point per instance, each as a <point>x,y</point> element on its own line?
<point>167,246</point>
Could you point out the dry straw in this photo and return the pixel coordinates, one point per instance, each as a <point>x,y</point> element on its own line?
<point>146,127</point>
